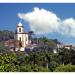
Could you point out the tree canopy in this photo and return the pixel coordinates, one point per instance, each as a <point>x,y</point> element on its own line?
<point>37,61</point>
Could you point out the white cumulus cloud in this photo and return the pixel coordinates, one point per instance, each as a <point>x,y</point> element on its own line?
<point>69,26</point>
<point>43,21</point>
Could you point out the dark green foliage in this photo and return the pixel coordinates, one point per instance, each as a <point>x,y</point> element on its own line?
<point>37,61</point>
<point>6,35</point>
<point>72,55</point>
<point>3,49</point>
<point>44,41</point>
<point>53,61</point>
<point>43,61</point>
<point>33,68</point>
<point>66,56</point>
<point>65,68</point>
<point>53,65</point>
<point>7,62</point>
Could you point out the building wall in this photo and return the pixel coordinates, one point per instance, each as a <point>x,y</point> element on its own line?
<point>24,45</point>
<point>19,36</point>
<point>26,39</point>
<point>24,36</point>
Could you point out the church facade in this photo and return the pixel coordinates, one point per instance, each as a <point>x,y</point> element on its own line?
<point>22,37</point>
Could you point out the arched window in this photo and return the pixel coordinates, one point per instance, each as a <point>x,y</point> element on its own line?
<point>19,29</point>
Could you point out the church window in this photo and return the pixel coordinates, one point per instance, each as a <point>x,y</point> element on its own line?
<point>19,29</point>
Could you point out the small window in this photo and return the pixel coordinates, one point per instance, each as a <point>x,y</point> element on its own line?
<point>19,29</point>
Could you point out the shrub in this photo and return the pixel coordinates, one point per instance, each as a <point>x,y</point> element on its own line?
<point>65,68</point>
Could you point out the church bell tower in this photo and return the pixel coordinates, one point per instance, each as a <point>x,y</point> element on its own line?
<point>20,31</point>
<point>22,37</point>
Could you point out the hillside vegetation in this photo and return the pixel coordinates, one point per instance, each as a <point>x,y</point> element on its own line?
<point>36,61</point>
<point>6,35</point>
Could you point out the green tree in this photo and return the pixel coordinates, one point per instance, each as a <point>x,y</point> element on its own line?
<point>7,62</point>
<point>6,35</point>
<point>53,61</point>
<point>64,56</point>
<point>53,65</point>
<point>3,49</point>
<point>65,68</point>
<point>33,68</point>
<point>72,54</point>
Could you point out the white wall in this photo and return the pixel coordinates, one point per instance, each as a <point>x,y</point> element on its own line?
<point>24,40</point>
<point>24,37</point>
<point>27,39</point>
<point>18,36</point>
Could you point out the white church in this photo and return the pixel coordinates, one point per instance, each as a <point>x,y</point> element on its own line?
<point>22,37</point>
<point>21,40</point>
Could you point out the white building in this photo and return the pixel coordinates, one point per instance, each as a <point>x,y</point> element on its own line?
<point>22,37</point>
<point>68,47</point>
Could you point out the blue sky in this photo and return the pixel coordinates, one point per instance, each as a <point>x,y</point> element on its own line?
<point>9,18</point>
